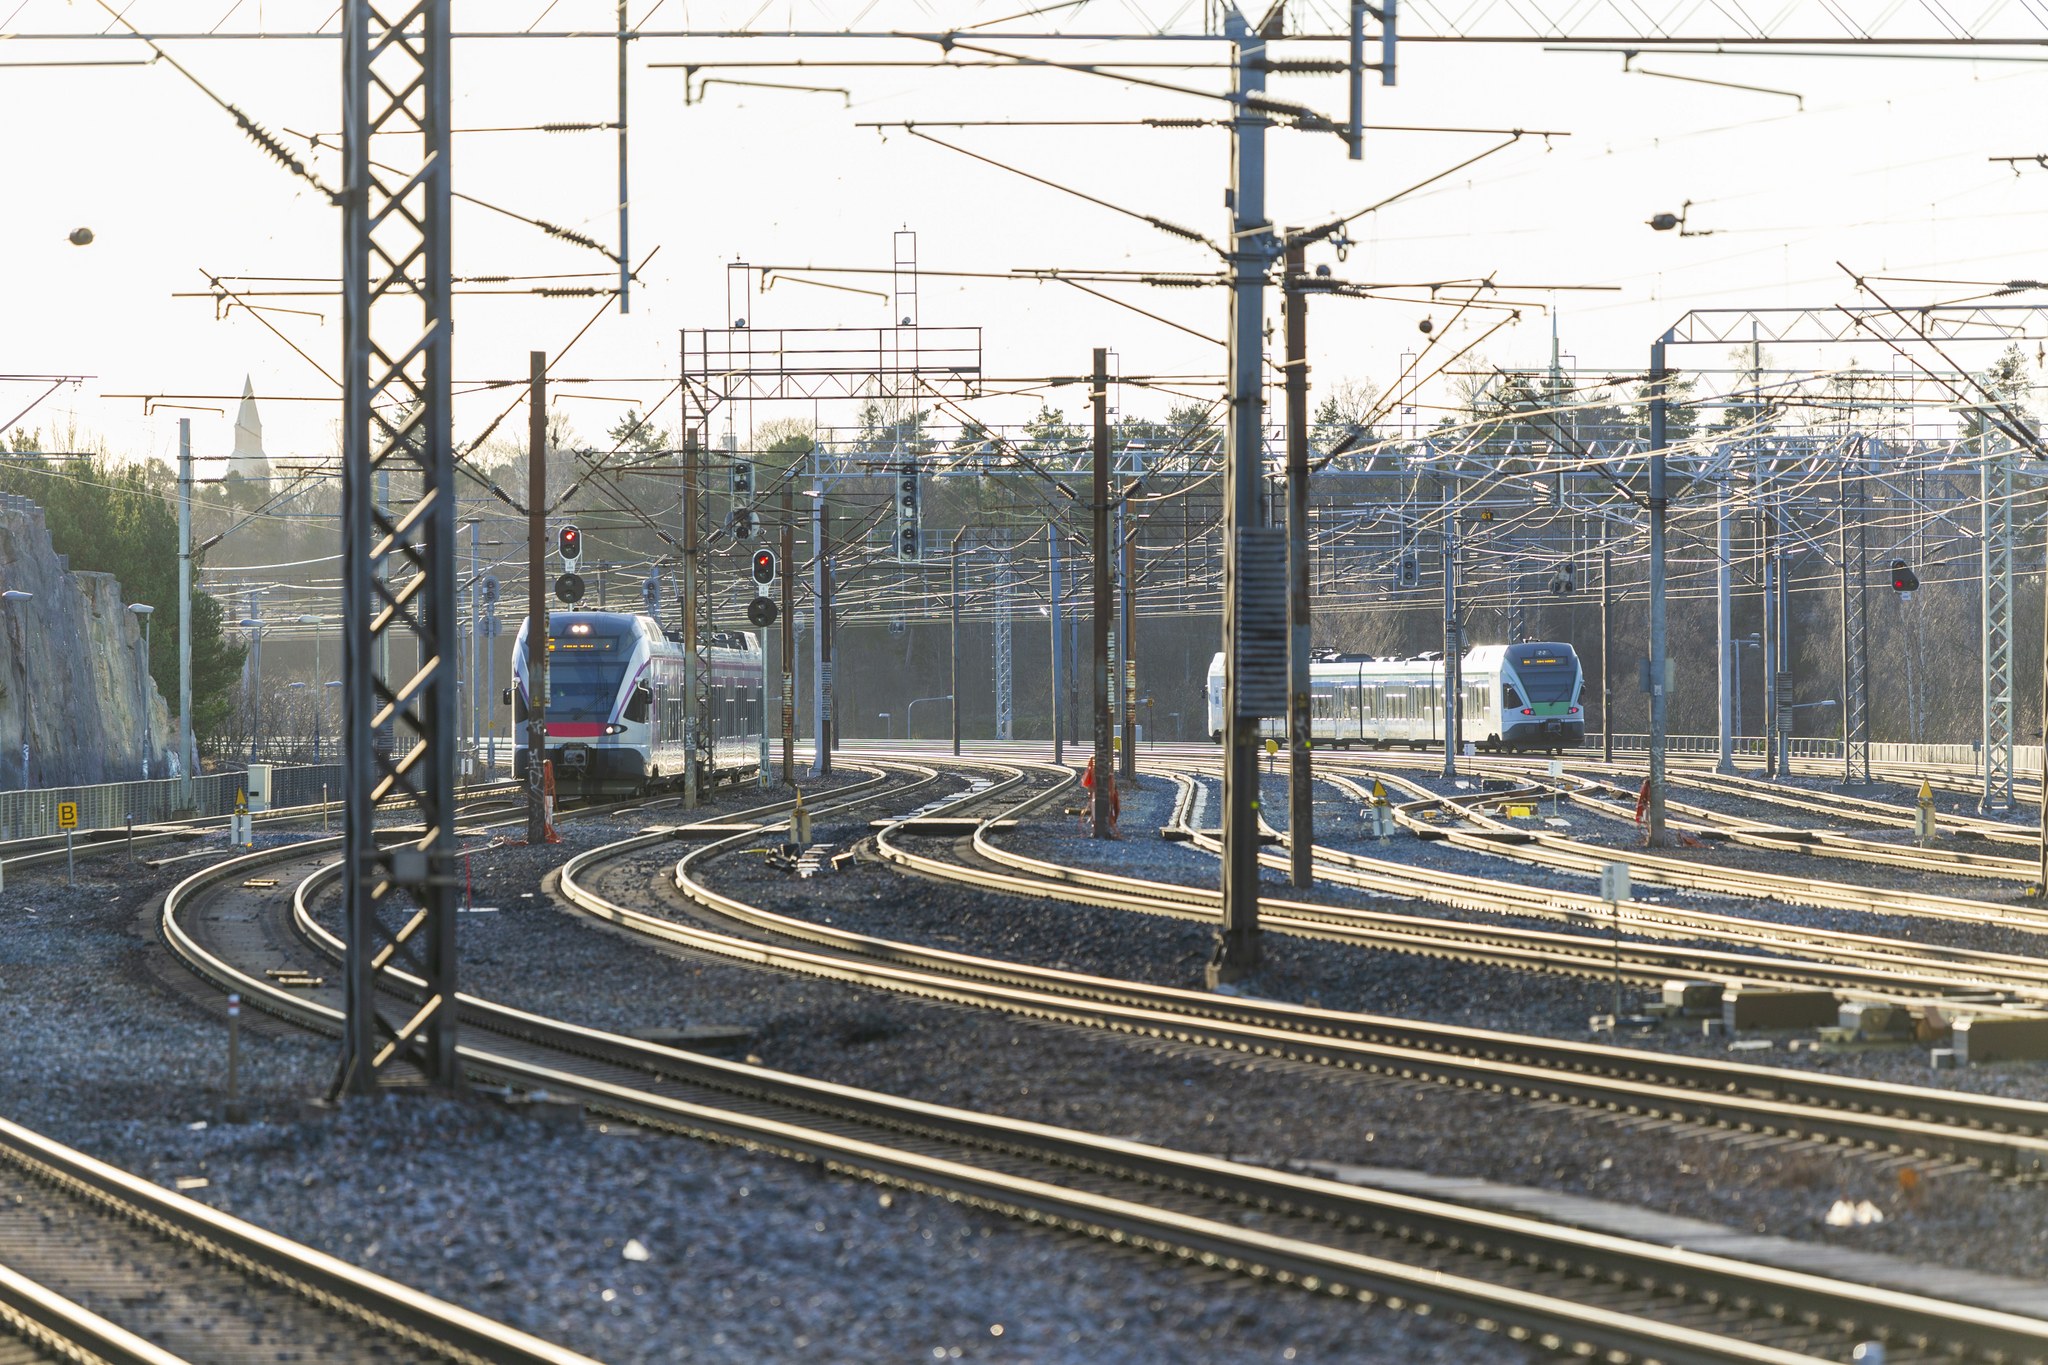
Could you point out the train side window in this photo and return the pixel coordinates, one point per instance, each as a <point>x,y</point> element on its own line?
<point>639,704</point>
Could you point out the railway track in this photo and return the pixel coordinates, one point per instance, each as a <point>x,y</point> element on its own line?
<point>2001,1135</point>
<point>1560,1288</point>
<point>98,1265</point>
<point>1613,802</point>
<point>1561,851</point>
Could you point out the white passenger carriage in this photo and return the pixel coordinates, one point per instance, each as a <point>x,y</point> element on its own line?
<point>1522,696</point>
<point>616,704</point>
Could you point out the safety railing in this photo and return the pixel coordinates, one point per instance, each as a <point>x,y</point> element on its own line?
<point>2026,758</point>
<point>111,805</point>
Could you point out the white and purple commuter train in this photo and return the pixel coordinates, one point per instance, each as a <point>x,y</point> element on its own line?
<point>616,704</point>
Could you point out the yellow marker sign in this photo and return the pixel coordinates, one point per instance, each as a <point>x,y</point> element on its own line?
<point>1379,792</point>
<point>67,815</point>
<point>241,801</point>
<point>1272,746</point>
<point>1926,792</point>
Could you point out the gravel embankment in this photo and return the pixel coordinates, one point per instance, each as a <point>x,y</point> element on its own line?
<point>527,1214</point>
<point>1278,1111</point>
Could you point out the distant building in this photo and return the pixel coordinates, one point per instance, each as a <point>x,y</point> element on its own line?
<point>248,458</point>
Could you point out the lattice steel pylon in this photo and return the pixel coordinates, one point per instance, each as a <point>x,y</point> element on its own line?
<point>1002,649</point>
<point>398,553</point>
<point>1850,488</point>
<point>1996,485</point>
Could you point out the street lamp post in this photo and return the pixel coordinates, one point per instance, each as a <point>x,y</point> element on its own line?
<point>14,597</point>
<point>143,612</point>
<point>319,697</point>
<point>910,715</point>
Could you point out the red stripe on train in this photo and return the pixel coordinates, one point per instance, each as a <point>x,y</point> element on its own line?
<point>576,729</point>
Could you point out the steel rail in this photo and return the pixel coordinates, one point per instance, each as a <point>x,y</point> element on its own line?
<point>1858,964</point>
<point>323,1279</point>
<point>2000,1134</point>
<point>1909,965</point>
<point>1597,797</point>
<point>1552,850</point>
<point>1696,1284</point>
<point>70,1331</point>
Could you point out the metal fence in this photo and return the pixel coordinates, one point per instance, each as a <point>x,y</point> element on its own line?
<point>111,805</point>
<point>2026,758</point>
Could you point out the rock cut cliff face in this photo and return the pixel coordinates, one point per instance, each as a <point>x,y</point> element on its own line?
<point>72,668</point>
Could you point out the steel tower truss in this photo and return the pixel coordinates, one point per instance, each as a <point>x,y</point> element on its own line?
<point>1004,722</point>
<point>724,367</point>
<point>1996,476</point>
<point>1853,553</point>
<point>398,557</point>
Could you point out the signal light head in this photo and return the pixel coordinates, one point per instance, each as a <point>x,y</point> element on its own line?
<point>1904,580</point>
<point>571,545</point>
<point>764,567</point>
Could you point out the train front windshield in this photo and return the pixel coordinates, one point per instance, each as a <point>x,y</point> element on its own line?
<point>1547,672</point>
<point>584,674</point>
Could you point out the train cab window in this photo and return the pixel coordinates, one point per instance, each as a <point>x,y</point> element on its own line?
<point>1509,697</point>
<point>639,704</point>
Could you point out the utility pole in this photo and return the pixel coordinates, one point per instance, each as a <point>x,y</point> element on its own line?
<point>1301,833</point>
<point>1724,632</point>
<point>954,686</point>
<point>186,757</point>
<point>692,717</point>
<point>1772,663</point>
<point>1052,562</point>
<point>1255,555</point>
<point>1449,535</point>
<point>821,631</point>
<point>1656,836</point>
<point>536,594</point>
<point>788,632</point>
<point>474,654</point>
<point>1127,639</point>
<point>1606,655</point>
<point>1105,760</point>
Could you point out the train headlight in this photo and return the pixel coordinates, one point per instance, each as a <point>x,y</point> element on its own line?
<point>615,729</point>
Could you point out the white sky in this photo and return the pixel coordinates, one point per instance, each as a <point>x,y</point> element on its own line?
<point>1884,170</point>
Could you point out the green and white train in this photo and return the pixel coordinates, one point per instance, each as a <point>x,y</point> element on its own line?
<point>1522,696</point>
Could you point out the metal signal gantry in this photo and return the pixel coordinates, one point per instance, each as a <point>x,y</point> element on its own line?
<point>398,555</point>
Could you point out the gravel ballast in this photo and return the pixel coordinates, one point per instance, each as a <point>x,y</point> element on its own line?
<point>532,1216</point>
